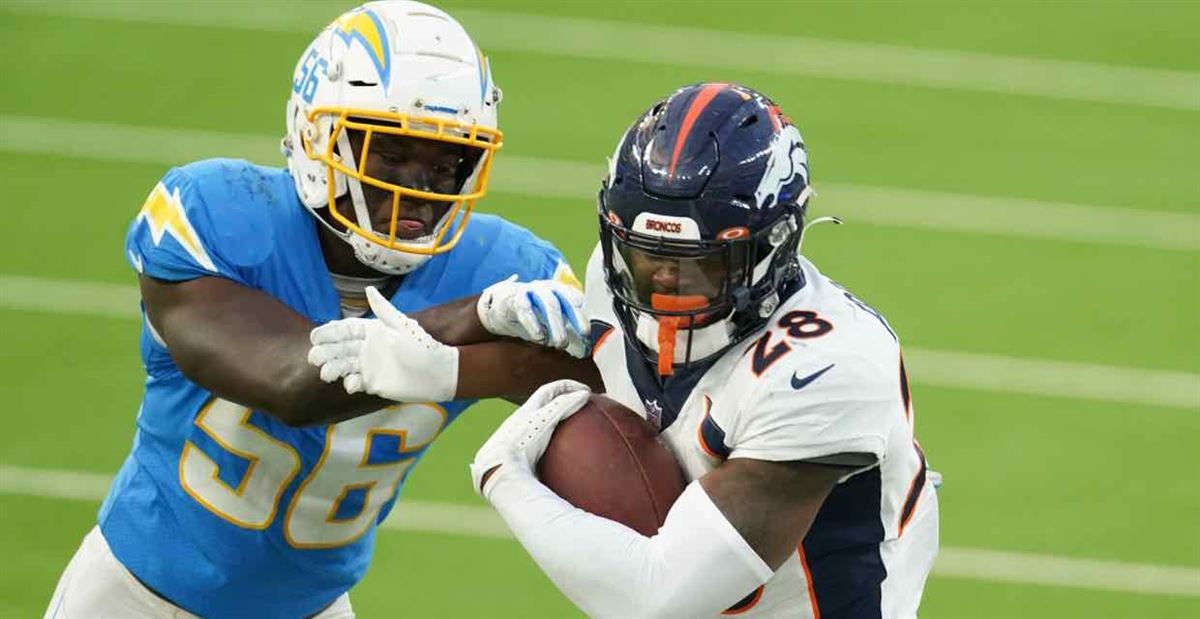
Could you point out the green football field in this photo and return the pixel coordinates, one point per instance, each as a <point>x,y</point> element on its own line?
<point>1020,180</point>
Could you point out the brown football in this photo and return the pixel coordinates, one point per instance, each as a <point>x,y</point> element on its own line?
<point>607,460</point>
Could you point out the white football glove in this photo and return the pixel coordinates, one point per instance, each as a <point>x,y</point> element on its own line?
<point>545,312</point>
<point>520,441</point>
<point>390,356</point>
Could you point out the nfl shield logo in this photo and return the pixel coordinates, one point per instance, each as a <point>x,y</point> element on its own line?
<point>654,412</point>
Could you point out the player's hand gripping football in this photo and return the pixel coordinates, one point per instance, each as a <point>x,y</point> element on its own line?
<point>519,442</point>
<point>390,356</point>
<point>545,312</point>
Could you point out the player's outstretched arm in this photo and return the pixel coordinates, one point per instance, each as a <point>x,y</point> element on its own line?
<point>513,369</point>
<point>511,344</point>
<point>393,356</point>
<point>725,536</point>
<point>247,347</point>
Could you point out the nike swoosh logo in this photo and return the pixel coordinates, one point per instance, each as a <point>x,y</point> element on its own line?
<point>800,383</point>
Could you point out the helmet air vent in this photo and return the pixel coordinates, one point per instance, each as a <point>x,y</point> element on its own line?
<point>442,55</point>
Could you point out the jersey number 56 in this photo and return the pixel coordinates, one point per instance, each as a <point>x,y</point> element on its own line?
<point>362,462</point>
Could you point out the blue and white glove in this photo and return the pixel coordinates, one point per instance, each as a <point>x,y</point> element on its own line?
<point>545,312</point>
<point>520,441</point>
<point>390,356</point>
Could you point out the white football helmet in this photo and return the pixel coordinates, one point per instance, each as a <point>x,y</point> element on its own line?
<point>399,68</point>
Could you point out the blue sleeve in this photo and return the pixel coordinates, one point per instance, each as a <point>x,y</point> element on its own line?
<point>193,226</point>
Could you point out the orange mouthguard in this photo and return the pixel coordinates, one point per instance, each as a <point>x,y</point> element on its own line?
<point>668,326</point>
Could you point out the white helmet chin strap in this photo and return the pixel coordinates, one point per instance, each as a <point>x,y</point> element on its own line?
<point>383,259</point>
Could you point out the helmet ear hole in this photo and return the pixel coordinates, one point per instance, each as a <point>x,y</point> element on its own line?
<point>741,299</point>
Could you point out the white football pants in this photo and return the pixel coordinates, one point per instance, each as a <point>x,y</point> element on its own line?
<point>96,586</point>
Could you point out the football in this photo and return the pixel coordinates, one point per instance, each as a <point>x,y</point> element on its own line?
<point>607,460</point>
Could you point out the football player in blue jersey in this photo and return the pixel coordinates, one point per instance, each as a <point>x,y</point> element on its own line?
<point>256,480</point>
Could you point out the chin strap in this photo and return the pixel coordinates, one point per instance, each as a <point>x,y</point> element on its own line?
<point>668,326</point>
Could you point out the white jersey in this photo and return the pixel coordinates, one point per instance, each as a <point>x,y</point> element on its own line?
<point>822,381</point>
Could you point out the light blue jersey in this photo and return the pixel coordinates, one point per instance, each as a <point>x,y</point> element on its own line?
<point>226,511</point>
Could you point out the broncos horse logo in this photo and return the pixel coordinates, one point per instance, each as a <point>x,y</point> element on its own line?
<point>787,164</point>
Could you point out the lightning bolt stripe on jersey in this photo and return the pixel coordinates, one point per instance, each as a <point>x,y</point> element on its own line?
<point>163,212</point>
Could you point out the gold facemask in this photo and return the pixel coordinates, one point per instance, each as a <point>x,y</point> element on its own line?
<point>372,123</point>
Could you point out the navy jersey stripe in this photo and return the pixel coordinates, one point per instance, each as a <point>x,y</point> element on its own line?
<point>712,437</point>
<point>746,603</point>
<point>905,393</point>
<point>598,334</point>
<point>914,491</point>
<point>842,550</point>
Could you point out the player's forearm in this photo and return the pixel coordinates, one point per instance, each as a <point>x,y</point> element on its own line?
<point>695,566</point>
<point>267,371</point>
<point>303,399</point>
<point>513,369</point>
<point>248,348</point>
<point>455,323</point>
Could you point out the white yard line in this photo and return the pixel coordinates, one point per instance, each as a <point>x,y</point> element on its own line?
<point>938,368</point>
<point>1085,381</point>
<point>481,521</point>
<point>35,294</point>
<point>905,208</point>
<point>1040,569</point>
<point>719,50</point>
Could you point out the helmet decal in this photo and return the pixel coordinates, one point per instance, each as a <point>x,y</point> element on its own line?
<point>364,26</point>
<point>701,101</point>
<point>484,72</point>
<point>788,163</point>
<point>666,226</point>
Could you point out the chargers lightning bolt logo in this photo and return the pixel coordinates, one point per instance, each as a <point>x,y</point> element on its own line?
<point>164,213</point>
<point>364,26</point>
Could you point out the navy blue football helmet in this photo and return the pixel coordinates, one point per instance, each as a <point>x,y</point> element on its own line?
<point>701,216</point>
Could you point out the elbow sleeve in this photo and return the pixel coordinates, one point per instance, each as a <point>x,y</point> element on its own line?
<point>698,564</point>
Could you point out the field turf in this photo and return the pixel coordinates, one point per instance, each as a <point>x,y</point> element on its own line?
<point>1025,473</point>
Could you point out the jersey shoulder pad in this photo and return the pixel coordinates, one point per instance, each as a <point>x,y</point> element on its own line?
<point>814,404</point>
<point>493,249</point>
<point>206,218</point>
<point>853,322</point>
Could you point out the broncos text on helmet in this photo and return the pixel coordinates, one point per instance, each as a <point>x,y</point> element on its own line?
<point>701,216</point>
<point>390,68</point>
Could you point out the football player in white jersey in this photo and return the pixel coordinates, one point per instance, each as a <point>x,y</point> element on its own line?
<point>781,394</point>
